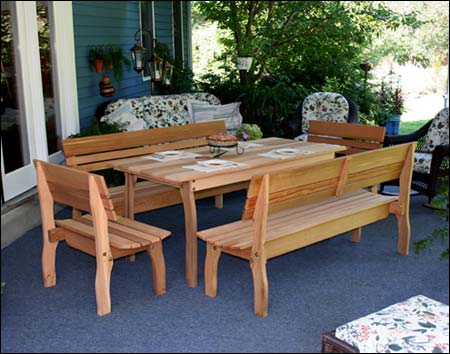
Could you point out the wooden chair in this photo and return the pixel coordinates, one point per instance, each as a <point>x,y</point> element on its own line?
<point>294,208</point>
<point>356,137</point>
<point>101,233</point>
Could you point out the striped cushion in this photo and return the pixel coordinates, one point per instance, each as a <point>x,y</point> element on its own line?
<point>202,112</point>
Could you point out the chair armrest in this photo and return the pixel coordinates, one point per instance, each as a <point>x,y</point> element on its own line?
<point>439,153</point>
<point>407,138</point>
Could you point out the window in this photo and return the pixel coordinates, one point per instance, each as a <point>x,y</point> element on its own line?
<point>148,31</point>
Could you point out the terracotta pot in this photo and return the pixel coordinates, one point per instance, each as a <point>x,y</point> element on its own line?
<point>98,65</point>
<point>106,88</point>
<point>108,65</point>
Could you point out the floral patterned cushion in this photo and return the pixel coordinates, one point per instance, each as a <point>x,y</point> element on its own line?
<point>325,106</point>
<point>422,162</point>
<point>417,325</point>
<point>438,132</point>
<point>158,111</point>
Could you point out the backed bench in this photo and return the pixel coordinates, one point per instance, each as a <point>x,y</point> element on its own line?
<point>95,153</point>
<point>294,208</point>
<point>356,137</point>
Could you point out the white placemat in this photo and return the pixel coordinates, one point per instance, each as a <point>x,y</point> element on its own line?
<point>214,165</point>
<point>171,155</point>
<point>286,153</point>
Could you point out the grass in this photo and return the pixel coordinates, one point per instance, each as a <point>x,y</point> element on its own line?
<point>411,126</point>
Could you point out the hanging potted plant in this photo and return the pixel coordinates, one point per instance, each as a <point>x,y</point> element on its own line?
<point>96,58</point>
<point>244,63</point>
<point>118,59</point>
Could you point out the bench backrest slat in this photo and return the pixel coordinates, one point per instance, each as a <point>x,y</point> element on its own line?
<point>303,185</point>
<point>70,187</point>
<point>101,148</point>
<point>357,137</point>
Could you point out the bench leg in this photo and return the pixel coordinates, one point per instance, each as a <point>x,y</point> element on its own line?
<point>260,286</point>
<point>211,265</point>
<point>48,263</point>
<point>102,284</point>
<point>218,201</point>
<point>155,252</point>
<point>404,233</point>
<point>355,235</point>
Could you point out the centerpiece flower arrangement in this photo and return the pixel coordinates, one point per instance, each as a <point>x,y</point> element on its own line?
<point>248,132</point>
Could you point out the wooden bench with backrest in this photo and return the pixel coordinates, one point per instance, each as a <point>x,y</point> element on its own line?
<point>294,208</point>
<point>100,233</point>
<point>94,153</point>
<point>356,137</point>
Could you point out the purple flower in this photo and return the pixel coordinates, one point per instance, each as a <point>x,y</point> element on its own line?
<point>245,135</point>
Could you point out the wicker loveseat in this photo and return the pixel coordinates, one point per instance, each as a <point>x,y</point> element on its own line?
<point>148,112</point>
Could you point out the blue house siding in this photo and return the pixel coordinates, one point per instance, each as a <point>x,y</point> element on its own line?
<point>98,23</point>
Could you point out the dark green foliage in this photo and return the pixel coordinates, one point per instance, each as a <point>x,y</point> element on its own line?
<point>97,129</point>
<point>441,201</point>
<point>318,45</point>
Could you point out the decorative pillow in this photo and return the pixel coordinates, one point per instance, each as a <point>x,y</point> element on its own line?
<point>229,112</point>
<point>422,162</point>
<point>324,106</point>
<point>438,132</point>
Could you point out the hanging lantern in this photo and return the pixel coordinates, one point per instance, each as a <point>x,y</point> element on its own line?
<point>167,73</point>
<point>137,55</point>
<point>155,64</point>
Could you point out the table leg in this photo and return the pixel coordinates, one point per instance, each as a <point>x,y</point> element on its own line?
<point>130,185</point>
<point>190,222</point>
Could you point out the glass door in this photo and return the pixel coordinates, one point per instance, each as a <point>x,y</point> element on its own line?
<point>32,84</point>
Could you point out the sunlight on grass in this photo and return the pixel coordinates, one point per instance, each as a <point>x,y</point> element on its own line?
<point>409,127</point>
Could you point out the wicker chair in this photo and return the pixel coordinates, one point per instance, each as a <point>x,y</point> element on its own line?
<point>431,159</point>
<point>325,106</point>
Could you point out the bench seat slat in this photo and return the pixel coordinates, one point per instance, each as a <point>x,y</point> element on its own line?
<point>116,241</point>
<point>239,235</point>
<point>152,234</point>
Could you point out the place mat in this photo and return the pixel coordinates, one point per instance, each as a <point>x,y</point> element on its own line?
<point>286,153</point>
<point>171,155</point>
<point>243,145</point>
<point>214,165</point>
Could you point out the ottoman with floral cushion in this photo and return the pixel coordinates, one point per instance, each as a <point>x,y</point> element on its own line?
<point>416,325</point>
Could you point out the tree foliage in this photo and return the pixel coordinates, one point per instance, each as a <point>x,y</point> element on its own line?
<point>312,39</point>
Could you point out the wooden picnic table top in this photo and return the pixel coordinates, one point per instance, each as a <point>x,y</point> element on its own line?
<point>173,173</point>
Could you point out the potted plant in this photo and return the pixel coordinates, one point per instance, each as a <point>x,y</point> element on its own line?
<point>96,58</point>
<point>114,60</point>
<point>249,132</point>
<point>391,105</point>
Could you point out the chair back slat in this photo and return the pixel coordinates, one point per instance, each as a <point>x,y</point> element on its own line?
<point>92,149</point>
<point>293,187</point>
<point>357,137</point>
<point>71,187</point>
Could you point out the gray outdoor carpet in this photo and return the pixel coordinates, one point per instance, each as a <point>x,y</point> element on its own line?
<point>311,291</point>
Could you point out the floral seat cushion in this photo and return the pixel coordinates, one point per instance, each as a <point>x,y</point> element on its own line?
<point>417,325</point>
<point>324,106</point>
<point>422,162</point>
<point>149,112</point>
<point>438,132</point>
